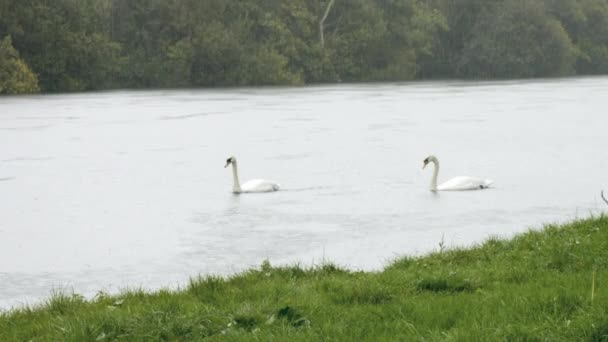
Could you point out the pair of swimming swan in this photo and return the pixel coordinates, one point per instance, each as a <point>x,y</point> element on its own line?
<point>454,184</point>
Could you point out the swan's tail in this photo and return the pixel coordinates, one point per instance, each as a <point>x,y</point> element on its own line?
<point>487,183</point>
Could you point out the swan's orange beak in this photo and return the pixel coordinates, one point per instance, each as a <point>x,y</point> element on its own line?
<point>227,163</point>
<point>425,164</point>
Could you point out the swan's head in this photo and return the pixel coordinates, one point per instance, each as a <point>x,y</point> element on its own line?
<point>428,160</point>
<point>229,161</point>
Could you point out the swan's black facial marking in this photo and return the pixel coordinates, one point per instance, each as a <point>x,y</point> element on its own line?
<point>229,160</point>
<point>426,161</point>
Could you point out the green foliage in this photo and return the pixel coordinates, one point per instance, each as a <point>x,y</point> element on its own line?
<point>16,77</point>
<point>535,287</point>
<point>75,45</point>
<point>517,39</point>
<point>591,35</point>
<point>63,41</point>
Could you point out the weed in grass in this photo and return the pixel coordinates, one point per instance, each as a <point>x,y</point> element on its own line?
<point>206,289</point>
<point>562,306</point>
<point>593,286</point>
<point>599,332</point>
<point>245,322</point>
<point>359,293</point>
<point>447,284</point>
<point>442,244</point>
<point>402,263</point>
<point>61,303</point>
<point>292,316</point>
<point>330,269</point>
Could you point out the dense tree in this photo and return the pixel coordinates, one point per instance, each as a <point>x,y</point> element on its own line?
<point>461,16</point>
<point>63,41</point>
<point>592,39</point>
<point>517,39</point>
<point>15,76</point>
<point>74,45</point>
<point>414,29</point>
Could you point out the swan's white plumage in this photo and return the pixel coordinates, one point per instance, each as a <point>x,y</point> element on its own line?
<point>464,183</point>
<point>254,185</point>
<point>259,185</point>
<point>456,183</point>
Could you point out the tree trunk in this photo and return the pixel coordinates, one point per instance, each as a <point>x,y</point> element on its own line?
<point>322,22</point>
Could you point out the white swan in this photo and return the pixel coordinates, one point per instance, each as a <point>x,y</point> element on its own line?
<point>254,185</point>
<point>456,183</point>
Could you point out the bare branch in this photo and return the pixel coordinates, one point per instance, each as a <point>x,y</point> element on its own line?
<point>322,22</point>
<point>604,198</point>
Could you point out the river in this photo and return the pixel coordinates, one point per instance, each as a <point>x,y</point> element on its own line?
<point>127,189</point>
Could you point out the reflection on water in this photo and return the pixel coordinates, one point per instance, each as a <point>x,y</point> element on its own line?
<point>126,189</point>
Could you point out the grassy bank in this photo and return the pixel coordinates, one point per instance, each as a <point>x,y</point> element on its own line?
<point>543,285</point>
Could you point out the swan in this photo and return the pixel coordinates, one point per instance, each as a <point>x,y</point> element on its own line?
<point>254,185</point>
<point>456,183</point>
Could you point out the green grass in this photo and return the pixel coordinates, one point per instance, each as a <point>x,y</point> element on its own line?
<point>535,287</point>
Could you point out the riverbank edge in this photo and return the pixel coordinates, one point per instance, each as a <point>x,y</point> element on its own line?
<point>543,284</point>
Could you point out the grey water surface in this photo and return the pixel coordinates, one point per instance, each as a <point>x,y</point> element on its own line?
<point>126,189</point>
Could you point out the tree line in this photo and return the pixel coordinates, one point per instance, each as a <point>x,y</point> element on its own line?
<point>80,45</point>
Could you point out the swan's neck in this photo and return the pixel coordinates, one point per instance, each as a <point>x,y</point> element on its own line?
<point>435,173</point>
<point>236,185</point>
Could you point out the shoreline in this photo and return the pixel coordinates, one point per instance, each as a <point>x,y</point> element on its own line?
<point>545,282</point>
